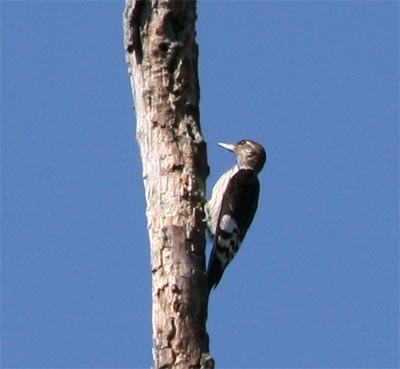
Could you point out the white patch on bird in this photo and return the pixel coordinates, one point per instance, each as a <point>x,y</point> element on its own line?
<point>228,224</point>
<point>228,239</point>
<point>213,206</point>
<point>223,242</point>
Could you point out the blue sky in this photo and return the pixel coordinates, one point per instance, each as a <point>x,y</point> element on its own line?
<point>316,281</point>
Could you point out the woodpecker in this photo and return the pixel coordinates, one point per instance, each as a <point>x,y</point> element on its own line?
<point>232,206</point>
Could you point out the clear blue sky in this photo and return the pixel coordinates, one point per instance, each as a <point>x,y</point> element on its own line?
<point>316,281</point>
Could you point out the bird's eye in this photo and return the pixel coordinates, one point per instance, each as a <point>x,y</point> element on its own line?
<point>242,142</point>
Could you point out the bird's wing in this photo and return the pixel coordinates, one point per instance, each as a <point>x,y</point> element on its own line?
<point>239,205</point>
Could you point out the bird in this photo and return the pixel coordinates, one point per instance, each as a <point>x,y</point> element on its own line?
<point>232,206</point>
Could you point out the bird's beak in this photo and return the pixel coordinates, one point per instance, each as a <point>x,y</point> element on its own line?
<point>229,147</point>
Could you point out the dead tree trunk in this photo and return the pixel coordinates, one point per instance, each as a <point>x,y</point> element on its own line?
<point>162,58</point>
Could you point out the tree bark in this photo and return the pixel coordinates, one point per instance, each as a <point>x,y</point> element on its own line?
<point>162,59</point>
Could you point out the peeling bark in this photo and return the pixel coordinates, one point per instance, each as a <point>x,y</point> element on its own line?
<point>162,59</point>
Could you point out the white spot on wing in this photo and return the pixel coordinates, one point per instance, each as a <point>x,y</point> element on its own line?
<point>227,224</point>
<point>222,242</point>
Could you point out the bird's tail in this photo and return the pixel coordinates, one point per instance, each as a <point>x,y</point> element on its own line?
<point>214,271</point>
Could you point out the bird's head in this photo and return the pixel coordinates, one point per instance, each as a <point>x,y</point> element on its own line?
<point>249,154</point>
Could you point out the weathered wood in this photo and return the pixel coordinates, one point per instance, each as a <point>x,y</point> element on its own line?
<point>162,59</point>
